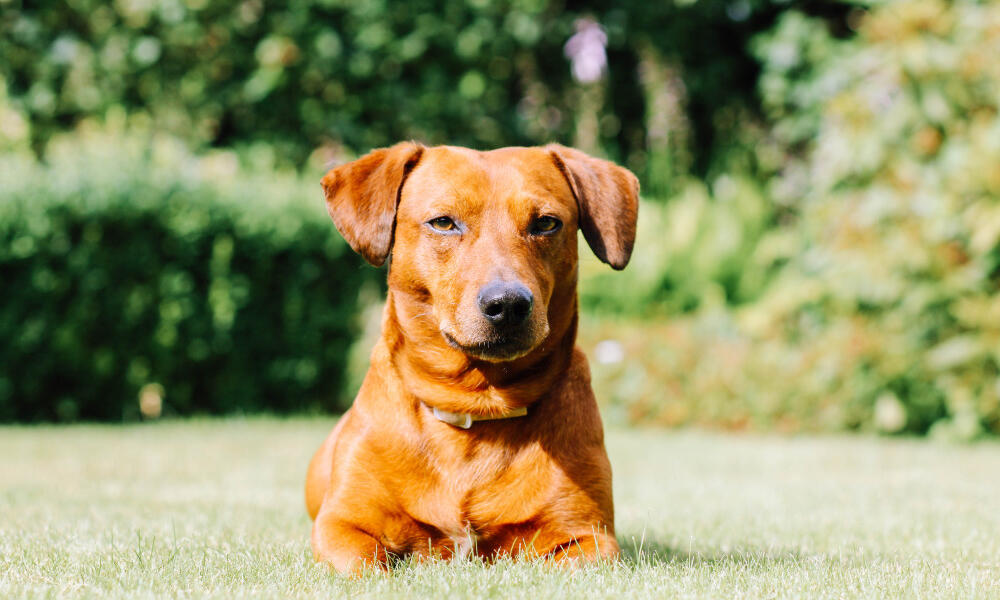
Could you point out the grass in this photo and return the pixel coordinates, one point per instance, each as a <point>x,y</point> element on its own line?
<point>215,509</point>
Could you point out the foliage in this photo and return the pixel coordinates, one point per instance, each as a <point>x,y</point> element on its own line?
<point>896,269</point>
<point>285,78</point>
<point>127,265</point>
<point>881,308</point>
<point>829,256</point>
<point>694,251</point>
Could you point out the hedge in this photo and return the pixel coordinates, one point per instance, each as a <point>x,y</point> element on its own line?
<point>357,74</point>
<point>130,265</point>
<point>880,303</point>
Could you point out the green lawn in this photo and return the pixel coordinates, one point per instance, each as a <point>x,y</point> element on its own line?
<point>214,508</point>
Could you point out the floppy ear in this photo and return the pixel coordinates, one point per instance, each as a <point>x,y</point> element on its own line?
<point>607,197</point>
<point>361,197</point>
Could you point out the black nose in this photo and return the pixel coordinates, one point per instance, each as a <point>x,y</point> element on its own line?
<point>505,304</point>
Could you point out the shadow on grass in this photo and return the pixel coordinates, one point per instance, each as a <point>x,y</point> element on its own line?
<point>646,552</point>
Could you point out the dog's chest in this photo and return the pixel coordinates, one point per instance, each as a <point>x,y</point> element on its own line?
<point>489,488</point>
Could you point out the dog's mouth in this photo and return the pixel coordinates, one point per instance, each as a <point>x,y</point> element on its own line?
<point>495,350</point>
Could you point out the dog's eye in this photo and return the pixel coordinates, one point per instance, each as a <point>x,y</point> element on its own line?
<point>442,224</point>
<point>546,225</point>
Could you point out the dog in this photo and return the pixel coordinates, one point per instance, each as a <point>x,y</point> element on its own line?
<point>475,431</point>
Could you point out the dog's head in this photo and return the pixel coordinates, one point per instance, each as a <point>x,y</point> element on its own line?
<point>484,243</point>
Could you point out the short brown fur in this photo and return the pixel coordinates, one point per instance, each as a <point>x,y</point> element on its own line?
<point>393,479</point>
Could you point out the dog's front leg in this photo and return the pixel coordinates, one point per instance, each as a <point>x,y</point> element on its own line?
<point>345,546</point>
<point>587,548</point>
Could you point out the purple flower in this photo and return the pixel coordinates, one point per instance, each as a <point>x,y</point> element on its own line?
<point>585,51</point>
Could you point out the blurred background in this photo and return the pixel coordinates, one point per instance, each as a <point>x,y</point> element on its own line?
<point>819,245</point>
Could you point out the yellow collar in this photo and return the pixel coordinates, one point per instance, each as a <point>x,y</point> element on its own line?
<point>465,420</point>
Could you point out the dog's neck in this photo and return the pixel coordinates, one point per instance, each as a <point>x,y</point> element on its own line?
<point>445,378</point>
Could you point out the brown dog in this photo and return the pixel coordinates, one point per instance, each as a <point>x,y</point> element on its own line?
<point>475,430</point>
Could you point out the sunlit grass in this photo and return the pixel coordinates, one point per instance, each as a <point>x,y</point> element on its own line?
<point>214,508</point>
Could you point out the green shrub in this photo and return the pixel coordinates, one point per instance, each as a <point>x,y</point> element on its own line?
<point>347,75</point>
<point>125,262</point>
<point>897,266</point>
<point>695,250</point>
<point>882,306</point>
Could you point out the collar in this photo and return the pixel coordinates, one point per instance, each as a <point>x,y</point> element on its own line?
<point>465,420</point>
